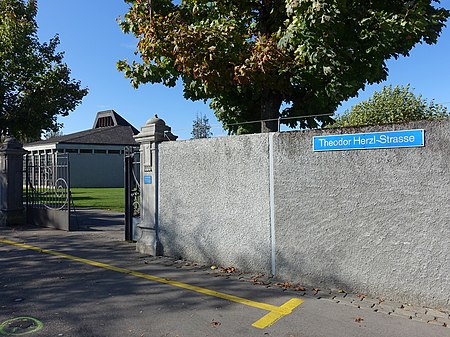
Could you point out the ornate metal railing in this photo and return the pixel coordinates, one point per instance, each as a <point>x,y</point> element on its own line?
<point>47,181</point>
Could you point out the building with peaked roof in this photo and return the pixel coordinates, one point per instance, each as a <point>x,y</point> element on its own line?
<point>96,155</point>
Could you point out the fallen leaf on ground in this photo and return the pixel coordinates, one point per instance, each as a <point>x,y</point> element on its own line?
<point>287,285</point>
<point>215,323</point>
<point>228,270</point>
<point>257,276</point>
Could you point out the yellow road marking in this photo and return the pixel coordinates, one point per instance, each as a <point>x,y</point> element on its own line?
<point>275,312</point>
<point>274,316</point>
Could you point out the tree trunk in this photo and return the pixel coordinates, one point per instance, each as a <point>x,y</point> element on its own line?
<point>270,112</point>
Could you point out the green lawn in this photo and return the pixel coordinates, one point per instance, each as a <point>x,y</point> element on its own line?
<point>101,198</point>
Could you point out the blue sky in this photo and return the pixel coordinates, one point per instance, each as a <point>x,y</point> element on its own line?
<point>93,42</point>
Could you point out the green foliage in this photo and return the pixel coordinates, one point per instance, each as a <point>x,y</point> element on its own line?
<point>35,84</point>
<point>262,59</point>
<point>391,105</point>
<point>52,134</point>
<point>201,127</point>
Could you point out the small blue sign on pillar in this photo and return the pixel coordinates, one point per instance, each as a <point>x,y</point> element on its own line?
<point>147,180</point>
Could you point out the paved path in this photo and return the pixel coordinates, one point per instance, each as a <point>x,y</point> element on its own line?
<point>85,219</point>
<point>90,283</point>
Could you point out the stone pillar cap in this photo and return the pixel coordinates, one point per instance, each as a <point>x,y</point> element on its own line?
<point>155,130</point>
<point>156,120</point>
<point>11,143</point>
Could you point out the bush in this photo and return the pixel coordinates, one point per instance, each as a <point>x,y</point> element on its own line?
<point>391,105</point>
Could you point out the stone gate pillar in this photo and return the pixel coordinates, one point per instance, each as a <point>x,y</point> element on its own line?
<point>12,211</point>
<point>152,134</point>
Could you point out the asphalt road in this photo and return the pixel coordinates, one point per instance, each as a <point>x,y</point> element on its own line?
<point>91,283</point>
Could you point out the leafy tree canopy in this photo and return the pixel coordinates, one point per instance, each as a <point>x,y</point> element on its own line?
<point>264,59</point>
<point>392,105</point>
<point>35,84</point>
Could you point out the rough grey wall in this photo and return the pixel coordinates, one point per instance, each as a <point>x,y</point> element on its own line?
<point>373,221</point>
<point>214,201</point>
<point>370,221</point>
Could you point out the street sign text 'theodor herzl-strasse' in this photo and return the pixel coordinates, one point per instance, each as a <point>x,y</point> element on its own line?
<point>370,140</point>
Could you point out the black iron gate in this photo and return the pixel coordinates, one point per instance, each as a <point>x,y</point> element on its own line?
<point>132,192</point>
<point>47,190</point>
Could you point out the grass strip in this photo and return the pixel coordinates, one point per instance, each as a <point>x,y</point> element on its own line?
<point>100,198</point>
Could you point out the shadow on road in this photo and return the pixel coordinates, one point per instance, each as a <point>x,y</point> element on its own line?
<point>97,220</point>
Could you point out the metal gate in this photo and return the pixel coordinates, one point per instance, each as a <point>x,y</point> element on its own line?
<point>132,193</point>
<point>47,190</point>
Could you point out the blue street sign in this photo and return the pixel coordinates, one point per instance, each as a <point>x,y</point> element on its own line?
<point>370,140</point>
<point>147,180</point>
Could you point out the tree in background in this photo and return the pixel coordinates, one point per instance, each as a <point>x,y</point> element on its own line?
<point>391,105</point>
<point>52,134</point>
<point>265,59</point>
<point>201,127</point>
<point>35,84</point>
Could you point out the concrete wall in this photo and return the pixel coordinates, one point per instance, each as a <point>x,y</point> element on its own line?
<point>370,221</point>
<point>214,198</point>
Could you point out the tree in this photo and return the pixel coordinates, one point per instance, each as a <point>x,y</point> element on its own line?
<point>35,84</point>
<point>52,134</point>
<point>264,59</point>
<point>391,105</point>
<point>201,127</point>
